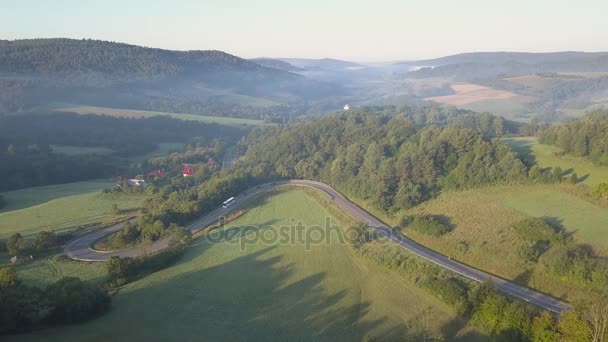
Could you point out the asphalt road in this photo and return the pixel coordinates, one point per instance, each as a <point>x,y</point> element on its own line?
<point>79,249</point>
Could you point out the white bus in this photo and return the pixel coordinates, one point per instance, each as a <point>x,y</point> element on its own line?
<point>228,202</point>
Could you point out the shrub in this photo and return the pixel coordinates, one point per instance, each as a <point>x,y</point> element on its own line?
<point>44,241</point>
<point>601,191</point>
<point>75,301</point>
<point>425,224</point>
<point>449,291</point>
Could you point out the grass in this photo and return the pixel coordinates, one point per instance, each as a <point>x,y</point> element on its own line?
<point>546,156</point>
<point>268,290</point>
<point>130,113</point>
<point>43,272</point>
<point>481,236</point>
<point>510,108</point>
<point>60,208</point>
<point>24,198</point>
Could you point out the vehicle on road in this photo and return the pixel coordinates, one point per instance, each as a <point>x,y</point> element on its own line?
<point>228,202</point>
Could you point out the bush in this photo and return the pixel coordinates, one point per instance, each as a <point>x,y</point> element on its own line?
<point>45,241</point>
<point>450,291</point>
<point>601,191</point>
<point>425,224</point>
<point>75,301</point>
<point>15,244</point>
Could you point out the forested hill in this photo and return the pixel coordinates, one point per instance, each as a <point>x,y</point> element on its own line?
<point>80,58</point>
<point>470,66</point>
<point>38,72</point>
<point>385,157</point>
<point>277,64</point>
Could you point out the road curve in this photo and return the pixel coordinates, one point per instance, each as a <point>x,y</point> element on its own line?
<point>79,249</point>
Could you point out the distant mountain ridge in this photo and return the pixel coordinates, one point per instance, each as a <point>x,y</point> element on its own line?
<point>34,72</point>
<point>509,57</point>
<point>471,66</point>
<point>276,64</point>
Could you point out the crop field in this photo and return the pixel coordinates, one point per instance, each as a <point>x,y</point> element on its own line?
<point>130,113</point>
<point>468,93</point>
<point>545,156</point>
<point>60,207</point>
<point>264,289</point>
<point>480,223</point>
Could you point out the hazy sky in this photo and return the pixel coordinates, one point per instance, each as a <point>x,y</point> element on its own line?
<point>370,30</point>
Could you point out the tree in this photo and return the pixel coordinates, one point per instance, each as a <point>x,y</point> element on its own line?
<point>76,301</point>
<point>15,244</point>
<point>8,277</point>
<point>3,202</point>
<point>594,312</point>
<point>115,209</point>
<point>543,328</point>
<point>572,328</point>
<point>45,240</point>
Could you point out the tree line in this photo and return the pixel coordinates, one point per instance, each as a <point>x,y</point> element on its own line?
<point>27,157</point>
<point>66,301</point>
<point>583,138</point>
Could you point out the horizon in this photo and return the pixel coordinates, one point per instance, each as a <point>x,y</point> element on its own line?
<point>387,30</point>
<point>312,58</point>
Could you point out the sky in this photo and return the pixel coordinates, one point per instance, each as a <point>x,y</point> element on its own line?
<point>358,30</point>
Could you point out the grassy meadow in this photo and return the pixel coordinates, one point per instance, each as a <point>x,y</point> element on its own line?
<point>546,156</point>
<point>481,234</point>
<point>267,290</point>
<point>42,272</point>
<point>131,113</point>
<point>60,207</point>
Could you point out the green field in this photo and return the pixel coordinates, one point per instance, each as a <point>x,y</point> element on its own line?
<point>60,207</point>
<point>43,272</point>
<point>269,291</point>
<point>481,221</point>
<point>130,113</point>
<point>509,108</point>
<point>545,156</point>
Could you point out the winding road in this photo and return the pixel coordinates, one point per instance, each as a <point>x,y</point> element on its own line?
<point>79,249</point>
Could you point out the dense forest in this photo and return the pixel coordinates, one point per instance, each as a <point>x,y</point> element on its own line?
<point>27,157</point>
<point>388,160</point>
<point>584,138</point>
<point>37,72</point>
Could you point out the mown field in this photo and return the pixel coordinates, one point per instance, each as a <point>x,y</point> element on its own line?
<point>60,207</point>
<point>130,113</point>
<point>546,156</point>
<point>481,233</point>
<point>265,290</point>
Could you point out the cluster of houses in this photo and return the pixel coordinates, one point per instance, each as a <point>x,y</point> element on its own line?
<point>187,171</point>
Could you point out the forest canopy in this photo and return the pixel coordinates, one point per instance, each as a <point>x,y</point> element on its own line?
<point>385,159</point>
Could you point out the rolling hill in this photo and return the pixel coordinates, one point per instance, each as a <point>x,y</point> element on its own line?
<point>276,64</point>
<point>91,72</point>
